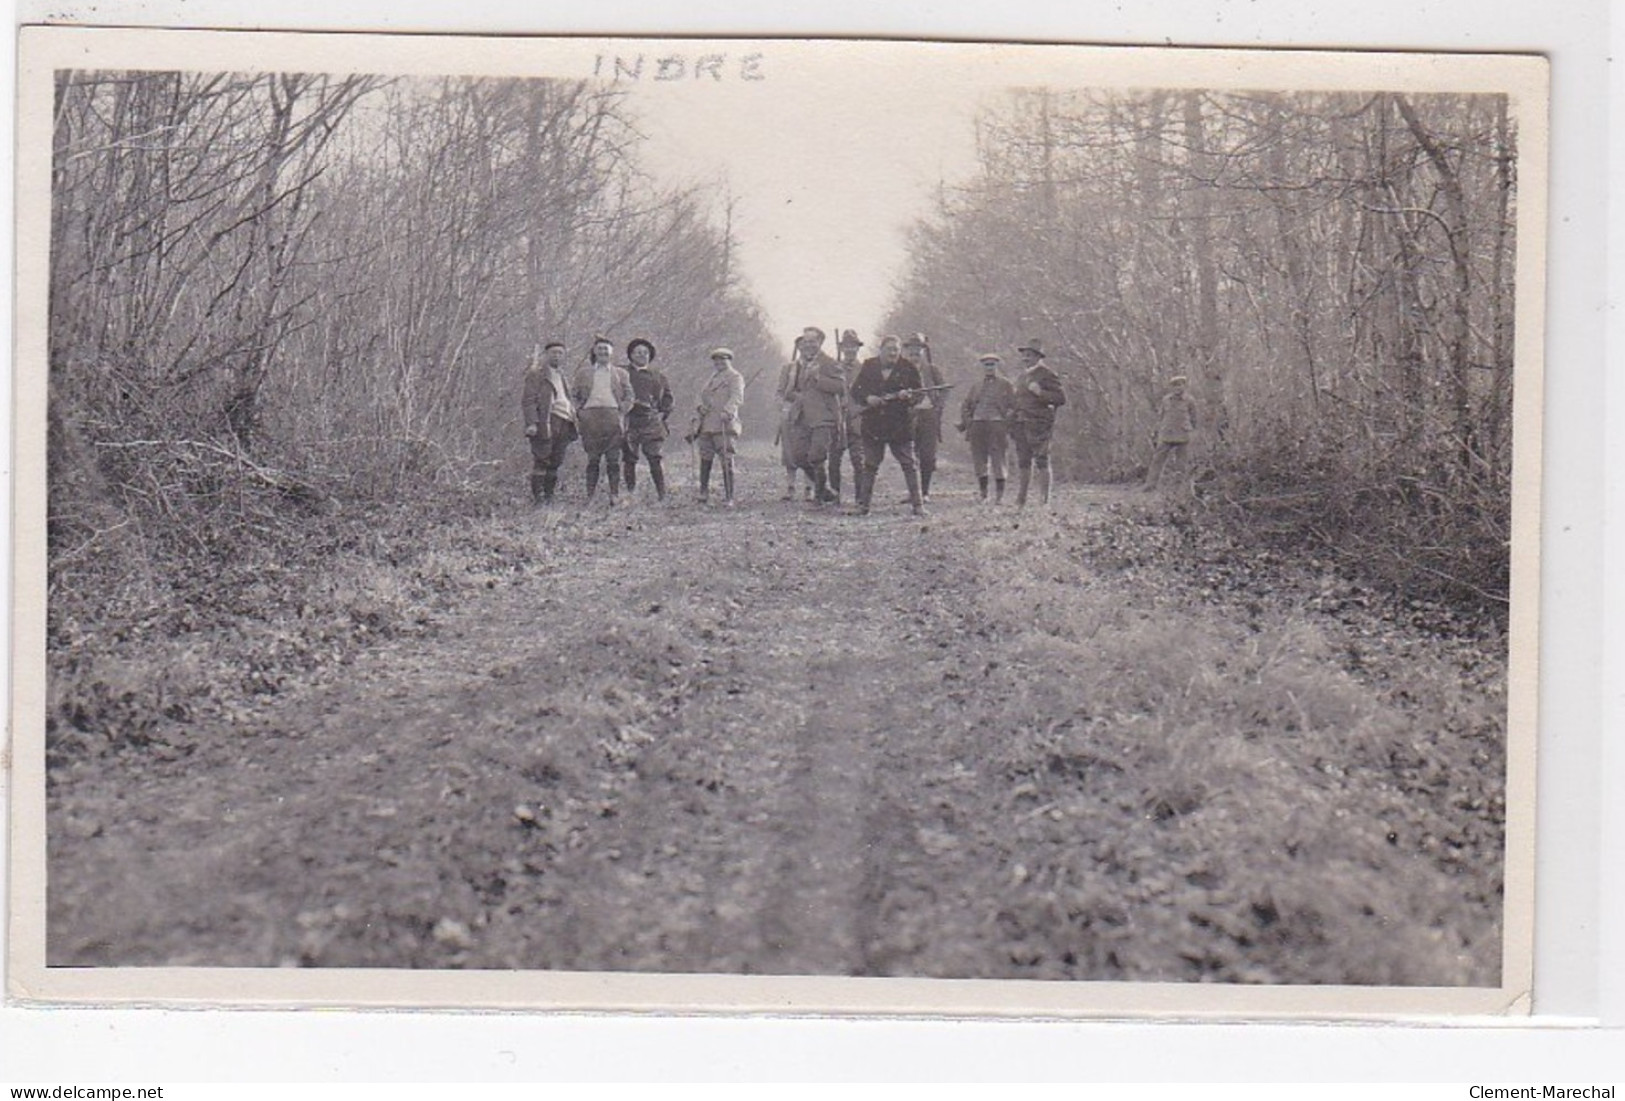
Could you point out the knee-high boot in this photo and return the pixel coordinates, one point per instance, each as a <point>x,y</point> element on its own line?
<point>657,475</point>
<point>1023,478</point>
<point>820,481</point>
<point>728,482</point>
<point>705,479</point>
<point>912,477</point>
<point>998,491</point>
<point>1043,485</point>
<point>593,465</point>
<point>981,485</point>
<point>537,481</point>
<point>835,476</point>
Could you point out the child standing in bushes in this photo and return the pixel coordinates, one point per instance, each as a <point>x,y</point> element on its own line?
<point>1176,423</point>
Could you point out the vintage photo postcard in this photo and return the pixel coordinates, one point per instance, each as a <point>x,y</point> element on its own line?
<point>775,526</point>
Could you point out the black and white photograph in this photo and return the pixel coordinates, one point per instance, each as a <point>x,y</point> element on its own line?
<point>742,524</point>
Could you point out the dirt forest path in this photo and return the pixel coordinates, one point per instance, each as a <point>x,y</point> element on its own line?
<point>779,740</point>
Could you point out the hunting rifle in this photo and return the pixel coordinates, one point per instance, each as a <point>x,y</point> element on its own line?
<point>899,395</point>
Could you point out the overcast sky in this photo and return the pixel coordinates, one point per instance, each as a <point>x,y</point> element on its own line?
<point>829,157</point>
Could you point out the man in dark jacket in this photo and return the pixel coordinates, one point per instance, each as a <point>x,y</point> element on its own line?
<point>887,389</point>
<point>1038,395</point>
<point>550,420</point>
<point>646,420</point>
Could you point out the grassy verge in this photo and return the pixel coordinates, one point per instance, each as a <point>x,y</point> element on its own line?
<point>147,636</point>
<point>1208,784</point>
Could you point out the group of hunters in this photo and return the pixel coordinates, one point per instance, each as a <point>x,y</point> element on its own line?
<point>832,408</point>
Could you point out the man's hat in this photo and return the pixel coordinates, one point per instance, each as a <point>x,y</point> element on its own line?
<point>1178,380</point>
<point>990,357</point>
<point>643,342</point>
<point>849,339</point>
<point>721,353</point>
<point>552,344</point>
<point>813,333</point>
<point>915,340</point>
<point>1033,345</point>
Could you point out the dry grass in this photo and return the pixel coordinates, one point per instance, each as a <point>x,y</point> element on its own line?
<point>1220,780</point>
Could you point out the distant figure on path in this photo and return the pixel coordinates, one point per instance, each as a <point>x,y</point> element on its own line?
<point>1038,395</point>
<point>716,423</point>
<point>1176,423</point>
<point>603,396</point>
<point>646,421</point>
<point>984,417</point>
<point>928,413</point>
<point>887,388</point>
<point>550,420</point>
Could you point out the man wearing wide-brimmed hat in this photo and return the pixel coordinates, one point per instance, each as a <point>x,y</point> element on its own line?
<point>550,419</point>
<point>646,420</point>
<point>716,423</point>
<point>984,418</point>
<point>1038,394</point>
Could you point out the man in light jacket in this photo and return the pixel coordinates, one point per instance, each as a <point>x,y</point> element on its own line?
<point>716,423</point>
<point>603,396</point>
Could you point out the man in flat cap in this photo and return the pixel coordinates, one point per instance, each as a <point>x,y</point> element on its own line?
<point>928,413</point>
<point>984,418</point>
<point>818,392</point>
<point>716,423</point>
<point>887,388</point>
<point>550,419</point>
<point>850,439</point>
<point>603,396</point>
<point>1038,395</point>
<point>646,420</point>
<point>796,424</point>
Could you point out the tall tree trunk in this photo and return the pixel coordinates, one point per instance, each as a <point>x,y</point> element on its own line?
<point>1205,342</point>
<point>1459,332</point>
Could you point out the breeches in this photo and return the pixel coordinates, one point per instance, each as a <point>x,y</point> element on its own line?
<point>875,450</point>
<point>815,445</point>
<point>601,434</point>
<point>713,444</point>
<point>988,440</point>
<point>1032,442</point>
<point>547,452</point>
<point>647,438</point>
